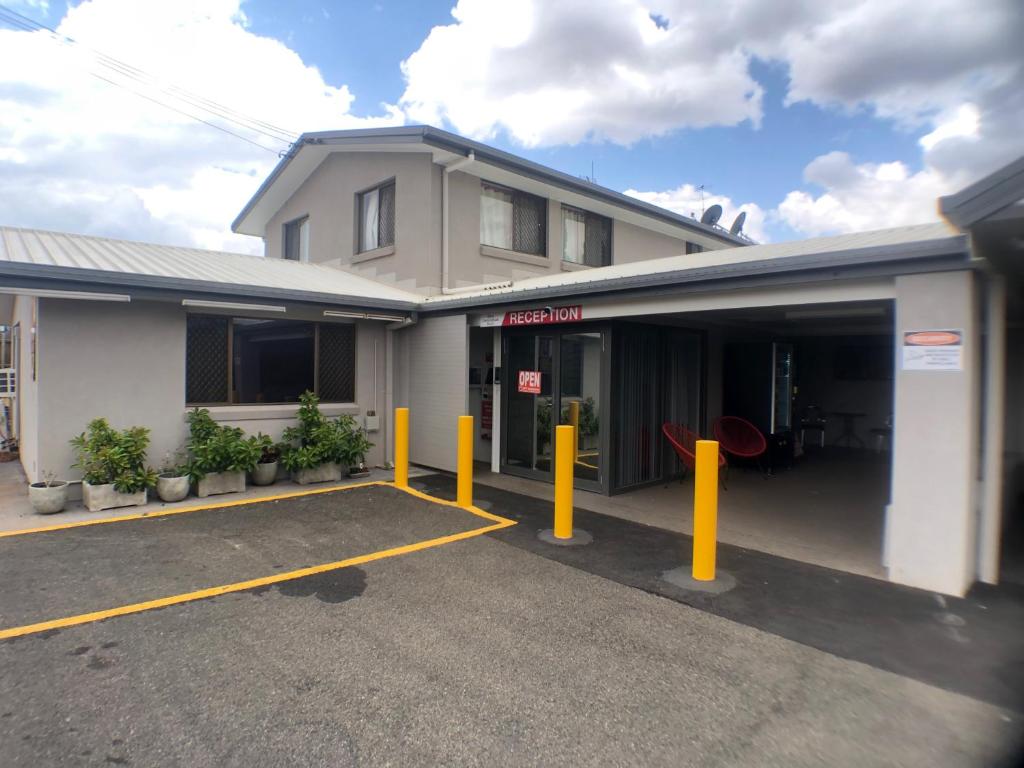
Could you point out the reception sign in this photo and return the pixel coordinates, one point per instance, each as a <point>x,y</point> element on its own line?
<point>539,316</point>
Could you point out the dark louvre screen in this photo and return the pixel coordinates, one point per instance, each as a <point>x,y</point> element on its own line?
<point>337,374</point>
<point>386,229</point>
<point>529,219</point>
<point>206,360</point>
<point>597,247</point>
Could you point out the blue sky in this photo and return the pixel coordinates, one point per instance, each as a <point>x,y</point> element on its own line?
<point>815,119</point>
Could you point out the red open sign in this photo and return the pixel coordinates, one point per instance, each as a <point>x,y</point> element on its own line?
<point>529,382</point>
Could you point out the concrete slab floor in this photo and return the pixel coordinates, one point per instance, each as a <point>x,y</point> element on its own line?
<point>828,510</point>
<point>16,512</point>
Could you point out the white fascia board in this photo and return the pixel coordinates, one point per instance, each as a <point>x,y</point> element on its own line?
<point>507,178</point>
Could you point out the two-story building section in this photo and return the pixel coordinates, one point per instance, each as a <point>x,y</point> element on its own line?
<point>432,212</point>
<point>859,385</point>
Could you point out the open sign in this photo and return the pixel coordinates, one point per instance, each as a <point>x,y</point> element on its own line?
<point>529,382</point>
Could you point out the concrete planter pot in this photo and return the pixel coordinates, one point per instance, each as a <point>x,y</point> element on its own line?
<point>325,473</point>
<point>48,499</point>
<point>265,473</point>
<point>105,496</point>
<point>217,483</point>
<point>172,488</point>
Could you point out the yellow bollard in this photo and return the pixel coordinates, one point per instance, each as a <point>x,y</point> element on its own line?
<point>574,420</point>
<point>565,439</point>
<point>402,447</point>
<point>705,510</point>
<point>464,497</point>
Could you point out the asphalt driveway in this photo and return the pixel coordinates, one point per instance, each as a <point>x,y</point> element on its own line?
<point>470,652</point>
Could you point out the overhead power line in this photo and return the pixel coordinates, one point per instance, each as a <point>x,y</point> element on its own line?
<point>134,75</point>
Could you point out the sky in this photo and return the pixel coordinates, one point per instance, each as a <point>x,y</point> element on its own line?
<point>157,120</point>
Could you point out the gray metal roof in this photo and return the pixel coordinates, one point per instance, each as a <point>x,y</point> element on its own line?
<point>434,137</point>
<point>886,246</point>
<point>29,253</point>
<point>985,197</point>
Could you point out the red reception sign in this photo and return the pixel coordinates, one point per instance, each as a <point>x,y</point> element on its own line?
<point>529,382</point>
<point>540,316</point>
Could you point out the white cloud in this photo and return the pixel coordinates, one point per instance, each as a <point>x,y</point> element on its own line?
<point>687,200</point>
<point>555,73</point>
<point>861,197</point>
<point>85,156</point>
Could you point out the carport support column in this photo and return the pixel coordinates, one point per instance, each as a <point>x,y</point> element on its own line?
<point>931,526</point>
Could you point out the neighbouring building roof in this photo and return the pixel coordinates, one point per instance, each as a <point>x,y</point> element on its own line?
<point>985,197</point>
<point>311,148</point>
<point>29,254</point>
<point>829,255</point>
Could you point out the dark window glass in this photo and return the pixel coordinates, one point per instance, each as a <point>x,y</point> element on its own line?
<point>337,375</point>
<point>206,360</point>
<point>271,361</point>
<point>572,366</point>
<point>694,248</point>
<point>296,240</point>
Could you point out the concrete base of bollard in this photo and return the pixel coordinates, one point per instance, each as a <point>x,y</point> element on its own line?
<point>682,577</point>
<point>579,538</point>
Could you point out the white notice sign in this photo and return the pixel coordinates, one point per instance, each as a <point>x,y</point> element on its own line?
<point>933,350</point>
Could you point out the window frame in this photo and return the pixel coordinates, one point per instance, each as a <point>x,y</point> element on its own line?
<point>518,194</point>
<point>229,351</point>
<point>587,217</point>
<point>298,221</point>
<point>358,249</point>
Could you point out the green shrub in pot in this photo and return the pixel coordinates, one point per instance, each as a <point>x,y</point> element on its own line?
<point>318,441</point>
<point>115,457</point>
<point>217,449</point>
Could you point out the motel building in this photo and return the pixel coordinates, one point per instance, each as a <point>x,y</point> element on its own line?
<point>408,266</point>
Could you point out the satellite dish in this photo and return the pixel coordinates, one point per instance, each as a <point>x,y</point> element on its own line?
<point>711,215</point>
<point>737,225</point>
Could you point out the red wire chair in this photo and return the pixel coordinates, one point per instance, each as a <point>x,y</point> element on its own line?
<point>684,443</point>
<point>738,437</point>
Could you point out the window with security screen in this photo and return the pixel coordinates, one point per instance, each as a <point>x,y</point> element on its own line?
<point>376,211</point>
<point>245,360</point>
<point>586,238</point>
<point>515,221</point>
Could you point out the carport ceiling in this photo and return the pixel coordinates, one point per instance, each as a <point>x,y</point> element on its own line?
<point>840,319</point>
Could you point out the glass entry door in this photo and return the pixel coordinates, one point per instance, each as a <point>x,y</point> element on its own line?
<point>554,378</point>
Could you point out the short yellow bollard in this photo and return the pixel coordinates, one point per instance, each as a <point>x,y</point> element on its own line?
<point>402,447</point>
<point>565,440</point>
<point>705,510</point>
<point>464,496</point>
<point>574,420</point>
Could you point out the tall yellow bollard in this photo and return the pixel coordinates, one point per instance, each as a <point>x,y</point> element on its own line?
<point>705,510</point>
<point>565,440</point>
<point>402,447</point>
<point>464,496</point>
<point>574,420</point>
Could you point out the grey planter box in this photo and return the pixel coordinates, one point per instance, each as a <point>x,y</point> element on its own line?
<point>265,474</point>
<point>100,497</point>
<point>217,483</point>
<point>48,499</point>
<point>325,473</point>
<point>171,489</point>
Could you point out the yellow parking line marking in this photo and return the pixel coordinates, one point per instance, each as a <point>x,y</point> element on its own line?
<point>198,508</point>
<point>241,586</point>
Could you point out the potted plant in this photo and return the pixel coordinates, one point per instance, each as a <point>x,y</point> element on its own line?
<point>360,446</point>
<point>113,464</point>
<point>220,455</point>
<point>319,449</point>
<point>265,471</point>
<point>49,495</point>
<point>172,483</point>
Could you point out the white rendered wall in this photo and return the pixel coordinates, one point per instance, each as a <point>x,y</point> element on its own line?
<point>931,525</point>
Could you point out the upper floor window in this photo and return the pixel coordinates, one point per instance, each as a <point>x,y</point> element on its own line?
<point>515,221</point>
<point>377,217</point>
<point>296,239</point>
<point>586,238</point>
<point>694,247</point>
<point>254,360</point>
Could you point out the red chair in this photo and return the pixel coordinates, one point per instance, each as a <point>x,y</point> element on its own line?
<point>684,443</point>
<point>738,437</point>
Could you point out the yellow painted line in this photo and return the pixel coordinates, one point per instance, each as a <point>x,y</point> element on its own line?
<point>197,508</point>
<point>241,586</point>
